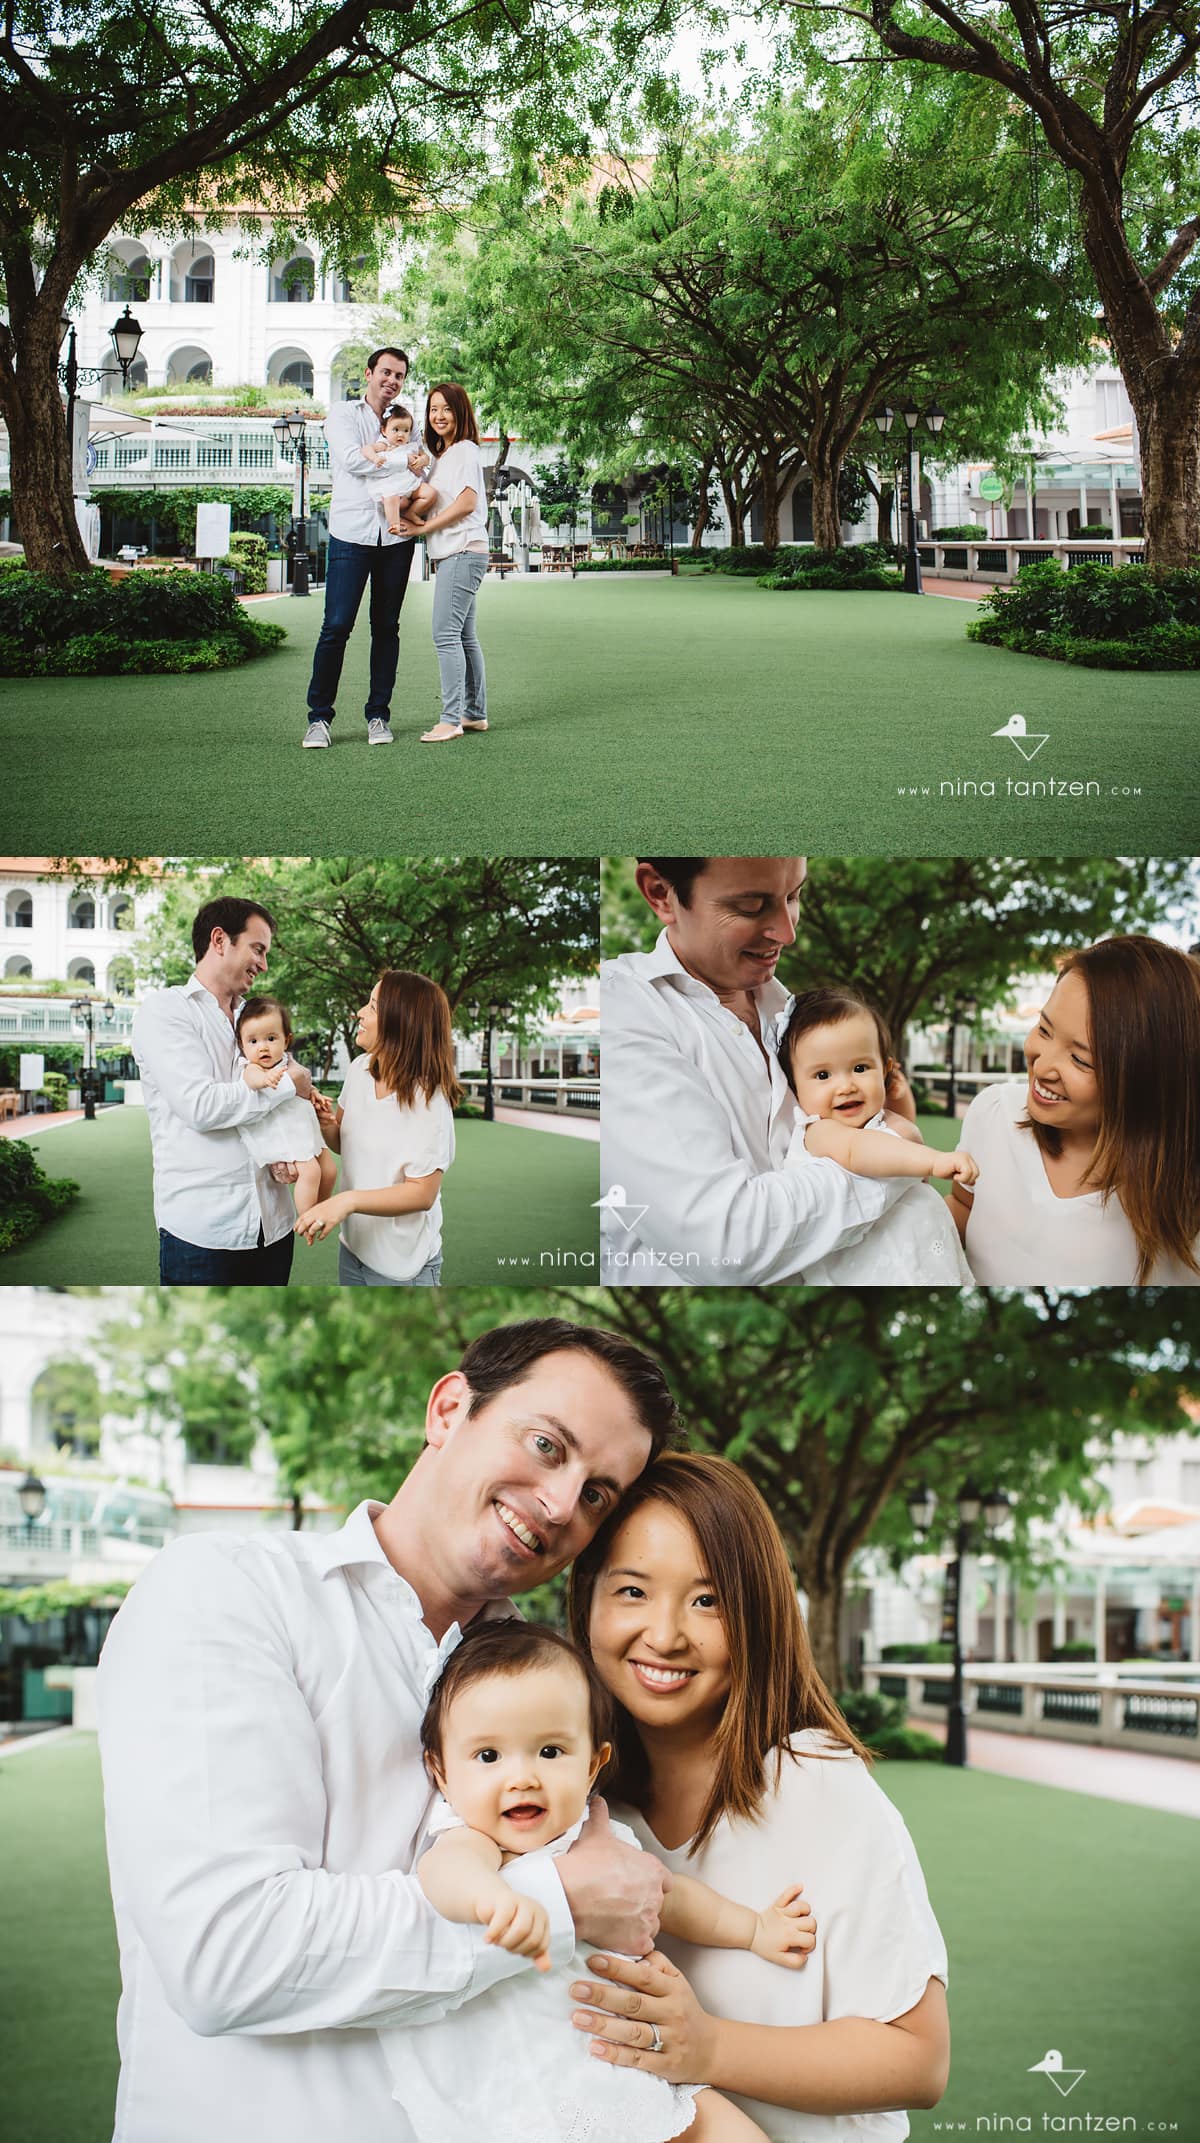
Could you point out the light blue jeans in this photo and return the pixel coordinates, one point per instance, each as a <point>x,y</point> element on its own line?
<point>353,1273</point>
<point>460,657</point>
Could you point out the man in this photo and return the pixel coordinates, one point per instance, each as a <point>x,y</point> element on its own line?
<point>361,550</point>
<point>260,1707</point>
<point>698,1114</point>
<point>220,1217</point>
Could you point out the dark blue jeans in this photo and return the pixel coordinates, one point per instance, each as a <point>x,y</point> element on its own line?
<point>348,568</point>
<point>183,1264</point>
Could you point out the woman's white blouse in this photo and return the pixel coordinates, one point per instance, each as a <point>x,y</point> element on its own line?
<point>460,468</point>
<point>1019,1233</point>
<point>384,1144</point>
<point>830,1827</point>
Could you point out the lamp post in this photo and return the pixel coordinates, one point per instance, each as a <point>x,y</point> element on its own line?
<point>83,1011</point>
<point>292,431</point>
<point>125,335</point>
<point>496,1012</point>
<point>921,1506</point>
<point>934,419</point>
<point>31,1495</point>
<point>960,1007</point>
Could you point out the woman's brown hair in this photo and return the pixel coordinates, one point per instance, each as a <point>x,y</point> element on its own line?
<point>1144,1020</point>
<point>458,402</point>
<point>414,1052</point>
<point>775,1690</point>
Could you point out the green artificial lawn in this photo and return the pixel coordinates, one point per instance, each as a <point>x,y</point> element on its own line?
<point>1069,1922</point>
<point>627,714</point>
<point>517,1205</point>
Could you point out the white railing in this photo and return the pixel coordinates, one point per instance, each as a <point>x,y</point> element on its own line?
<point>999,558</point>
<point>575,1097</point>
<point>59,1021</point>
<point>1156,1710</point>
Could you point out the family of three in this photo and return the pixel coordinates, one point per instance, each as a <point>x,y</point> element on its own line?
<point>387,490</point>
<point>362,1886</point>
<point>244,1147</point>
<point>749,1135</point>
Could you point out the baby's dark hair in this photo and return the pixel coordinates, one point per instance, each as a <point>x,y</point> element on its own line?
<point>396,409</point>
<point>509,1647</point>
<point>828,1008</point>
<point>255,1007</point>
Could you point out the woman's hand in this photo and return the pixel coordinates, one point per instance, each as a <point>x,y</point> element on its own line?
<point>634,1997</point>
<point>787,1930</point>
<point>325,1108</point>
<point>317,1223</point>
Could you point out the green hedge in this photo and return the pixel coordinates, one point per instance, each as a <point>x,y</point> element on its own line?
<point>89,625</point>
<point>248,554</point>
<point>879,1723</point>
<point>1101,617</point>
<point>27,1195</point>
<point>174,512</point>
<point>970,531</point>
<point>852,566</point>
<point>625,565</point>
<point>932,1654</point>
<point>742,558</point>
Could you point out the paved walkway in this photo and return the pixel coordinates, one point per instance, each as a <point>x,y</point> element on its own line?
<point>33,1126</point>
<point>544,1120</point>
<point>1171,1783</point>
<point>971,591</point>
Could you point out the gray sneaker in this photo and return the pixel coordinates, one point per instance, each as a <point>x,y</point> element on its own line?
<point>379,731</point>
<point>316,736</point>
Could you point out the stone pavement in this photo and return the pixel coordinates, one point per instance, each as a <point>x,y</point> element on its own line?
<point>1171,1783</point>
<point>33,1126</point>
<point>542,1120</point>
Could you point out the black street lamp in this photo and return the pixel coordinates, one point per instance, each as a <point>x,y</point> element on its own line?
<point>934,418</point>
<point>31,1495</point>
<point>496,1013</point>
<point>83,1010</point>
<point>292,431</point>
<point>921,1506</point>
<point>125,335</point>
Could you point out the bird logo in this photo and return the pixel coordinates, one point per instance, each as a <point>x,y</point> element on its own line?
<point>1028,745</point>
<point>614,1202</point>
<point>1051,2066</point>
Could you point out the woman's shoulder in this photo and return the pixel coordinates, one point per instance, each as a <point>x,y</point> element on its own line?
<point>817,1771</point>
<point>995,1108</point>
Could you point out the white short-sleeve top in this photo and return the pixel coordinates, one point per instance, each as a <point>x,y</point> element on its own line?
<point>383,1144</point>
<point>830,1827</point>
<point>460,468</point>
<point>1019,1233</point>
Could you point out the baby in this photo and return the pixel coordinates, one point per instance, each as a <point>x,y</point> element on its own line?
<point>291,1132</point>
<point>397,482</point>
<point>837,1055</point>
<point>516,1732</point>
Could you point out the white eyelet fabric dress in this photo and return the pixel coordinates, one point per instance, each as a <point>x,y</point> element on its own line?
<point>914,1242</point>
<point>510,2067</point>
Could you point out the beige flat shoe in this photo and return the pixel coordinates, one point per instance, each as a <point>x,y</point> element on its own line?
<point>468,724</point>
<point>440,734</point>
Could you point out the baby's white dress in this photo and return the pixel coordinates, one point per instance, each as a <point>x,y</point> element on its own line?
<point>510,2067</point>
<point>914,1242</point>
<point>289,1133</point>
<point>394,480</point>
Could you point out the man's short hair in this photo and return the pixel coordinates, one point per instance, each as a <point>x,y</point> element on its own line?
<point>680,872</point>
<point>228,914</point>
<point>507,1354</point>
<point>388,349</point>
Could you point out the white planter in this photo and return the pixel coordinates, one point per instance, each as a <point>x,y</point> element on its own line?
<point>276,568</point>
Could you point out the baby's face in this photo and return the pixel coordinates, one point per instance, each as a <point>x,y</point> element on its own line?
<point>838,1070</point>
<point>264,1040</point>
<point>518,1757</point>
<point>398,431</point>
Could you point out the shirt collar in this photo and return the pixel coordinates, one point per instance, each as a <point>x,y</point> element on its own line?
<point>664,964</point>
<point>358,1542</point>
<point>193,987</point>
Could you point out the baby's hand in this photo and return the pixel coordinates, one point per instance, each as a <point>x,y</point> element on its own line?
<point>326,1111</point>
<point>258,1075</point>
<point>522,1926</point>
<point>786,1931</point>
<point>959,1165</point>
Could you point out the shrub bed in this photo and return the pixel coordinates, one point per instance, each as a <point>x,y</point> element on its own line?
<point>742,558</point>
<point>879,1723</point>
<point>28,1196</point>
<point>970,531</point>
<point>1101,617</point>
<point>248,554</point>
<point>625,565</point>
<point>852,566</point>
<point>89,625</point>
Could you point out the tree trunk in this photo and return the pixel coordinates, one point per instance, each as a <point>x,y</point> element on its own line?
<point>1169,429</point>
<point>699,524</point>
<point>826,514</point>
<point>824,1631</point>
<point>43,504</point>
<point>734,510</point>
<point>887,499</point>
<point>768,480</point>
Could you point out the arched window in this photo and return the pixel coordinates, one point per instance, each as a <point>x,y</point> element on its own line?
<point>18,965</point>
<point>81,915</point>
<point>18,910</point>
<point>129,274</point>
<point>120,976</point>
<point>189,364</point>
<point>294,278</point>
<point>120,912</point>
<point>82,971</point>
<point>193,272</point>
<point>67,1408</point>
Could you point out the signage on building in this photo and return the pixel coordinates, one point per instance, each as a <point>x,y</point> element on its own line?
<point>32,1072</point>
<point>212,529</point>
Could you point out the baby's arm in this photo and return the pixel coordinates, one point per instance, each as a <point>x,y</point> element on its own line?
<point>783,1934</point>
<point>460,1875</point>
<point>879,1156</point>
<point>258,1075</point>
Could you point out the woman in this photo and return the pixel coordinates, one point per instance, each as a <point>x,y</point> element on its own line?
<point>394,1129</point>
<point>739,1769</point>
<point>1089,1171</point>
<point>456,533</point>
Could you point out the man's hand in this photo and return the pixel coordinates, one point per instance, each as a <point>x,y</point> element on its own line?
<point>615,1893</point>
<point>325,1108</point>
<point>283,1172</point>
<point>898,1094</point>
<point>521,1925</point>
<point>786,1931</point>
<point>300,1079</point>
<point>959,1165</point>
<point>258,1075</point>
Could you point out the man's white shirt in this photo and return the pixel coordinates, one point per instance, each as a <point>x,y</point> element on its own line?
<point>354,515</point>
<point>260,1702</point>
<point>208,1189</point>
<point>695,1129</point>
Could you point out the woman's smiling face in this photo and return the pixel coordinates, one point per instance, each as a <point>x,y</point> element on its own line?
<point>656,1633</point>
<point>1062,1079</point>
<point>441,417</point>
<point>368,1022</point>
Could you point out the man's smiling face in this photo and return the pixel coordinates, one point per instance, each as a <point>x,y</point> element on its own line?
<point>524,1483</point>
<point>740,917</point>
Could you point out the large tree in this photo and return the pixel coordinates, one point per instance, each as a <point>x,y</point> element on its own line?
<point>492,930</point>
<point>915,933</point>
<point>852,244</point>
<point>1111,87</point>
<point>837,1403</point>
<point>339,116</point>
